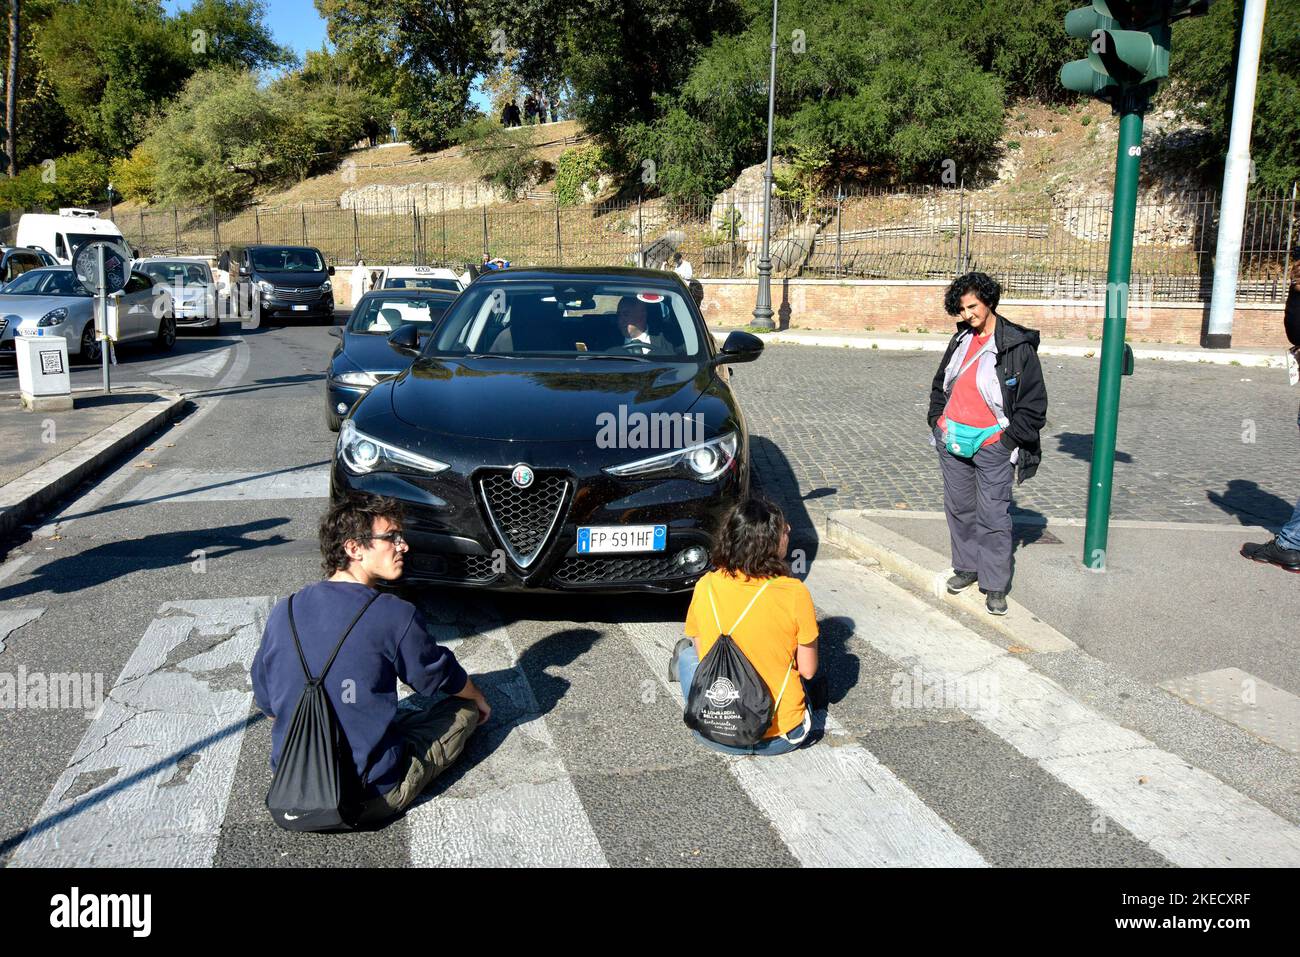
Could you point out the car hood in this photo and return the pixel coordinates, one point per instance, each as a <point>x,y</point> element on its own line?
<point>372,353</point>
<point>33,307</point>
<point>536,400</point>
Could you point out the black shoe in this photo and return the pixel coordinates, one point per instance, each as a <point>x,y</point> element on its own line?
<point>961,580</point>
<point>1273,553</point>
<point>996,603</point>
<point>677,650</point>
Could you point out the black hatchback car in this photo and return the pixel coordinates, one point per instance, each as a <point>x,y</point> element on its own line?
<point>363,356</point>
<point>562,429</point>
<point>288,281</point>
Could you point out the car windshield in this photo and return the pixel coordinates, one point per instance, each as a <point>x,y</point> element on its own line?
<point>380,315</point>
<point>421,282</point>
<point>287,259</point>
<point>169,273</point>
<point>45,282</point>
<point>574,317</point>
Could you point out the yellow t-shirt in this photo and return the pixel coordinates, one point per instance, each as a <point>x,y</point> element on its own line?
<point>780,620</point>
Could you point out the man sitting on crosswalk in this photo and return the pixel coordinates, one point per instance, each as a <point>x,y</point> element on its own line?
<point>398,748</point>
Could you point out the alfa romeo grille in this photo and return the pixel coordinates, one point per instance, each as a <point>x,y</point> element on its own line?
<point>584,571</point>
<point>523,518</point>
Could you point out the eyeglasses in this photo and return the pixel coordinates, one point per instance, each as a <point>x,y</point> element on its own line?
<point>396,538</point>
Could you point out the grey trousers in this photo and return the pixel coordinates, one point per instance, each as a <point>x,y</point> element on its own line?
<point>977,502</point>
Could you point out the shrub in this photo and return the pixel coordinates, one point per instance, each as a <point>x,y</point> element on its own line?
<point>577,167</point>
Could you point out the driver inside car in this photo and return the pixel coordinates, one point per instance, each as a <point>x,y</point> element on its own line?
<point>632,325</point>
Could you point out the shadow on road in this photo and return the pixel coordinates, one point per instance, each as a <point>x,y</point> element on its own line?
<point>1245,501</point>
<point>1079,445</point>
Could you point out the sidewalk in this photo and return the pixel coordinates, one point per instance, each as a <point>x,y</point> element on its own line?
<point>44,454</point>
<point>1080,348</point>
<point>1177,607</point>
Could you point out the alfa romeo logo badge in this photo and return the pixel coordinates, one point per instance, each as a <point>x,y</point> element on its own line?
<point>522,476</point>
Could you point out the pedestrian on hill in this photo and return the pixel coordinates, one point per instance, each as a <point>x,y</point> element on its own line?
<point>530,109</point>
<point>1284,549</point>
<point>395,748</point>
<point>988,402</point>
<point>769,616</point>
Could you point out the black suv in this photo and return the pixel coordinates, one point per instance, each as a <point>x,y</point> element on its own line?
<point>288,281</point>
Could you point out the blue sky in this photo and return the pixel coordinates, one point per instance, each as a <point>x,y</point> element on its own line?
<point>297,25</point>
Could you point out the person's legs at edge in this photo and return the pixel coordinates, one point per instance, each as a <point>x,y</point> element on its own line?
<point>993,479</point>
<point>959,508</point>
<point>435,737</point>
<point>1289,537</point>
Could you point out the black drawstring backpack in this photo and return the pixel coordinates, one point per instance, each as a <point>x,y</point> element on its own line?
<point>728,701</point>
<point>315,787</point>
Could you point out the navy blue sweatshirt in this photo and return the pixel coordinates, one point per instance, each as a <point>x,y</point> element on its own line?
<point>388,643</point>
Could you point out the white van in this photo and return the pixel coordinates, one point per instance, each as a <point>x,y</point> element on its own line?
<point>61,235</point>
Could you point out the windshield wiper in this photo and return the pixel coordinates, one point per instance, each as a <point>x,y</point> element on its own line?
<point>603,355</point>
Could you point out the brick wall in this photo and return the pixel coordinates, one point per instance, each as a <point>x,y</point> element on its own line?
<point>885,307</point>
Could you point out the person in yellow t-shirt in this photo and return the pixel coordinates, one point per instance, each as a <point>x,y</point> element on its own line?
<point>778,634</point>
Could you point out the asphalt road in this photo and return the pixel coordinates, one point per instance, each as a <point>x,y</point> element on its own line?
<point>157,578</point>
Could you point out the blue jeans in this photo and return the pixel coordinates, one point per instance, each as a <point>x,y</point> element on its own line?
<point>687,662</point>
<point>1289,537</point>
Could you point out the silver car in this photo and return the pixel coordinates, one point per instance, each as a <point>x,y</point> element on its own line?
<point>192,288</point>
<point>52,299</point>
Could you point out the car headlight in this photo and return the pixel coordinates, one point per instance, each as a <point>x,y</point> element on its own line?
<point>356,378</point>
<point>325,286</point>
<point>704,462</point>
<point>265,287</point>
<point>361,454</point>
<point>53,317</point>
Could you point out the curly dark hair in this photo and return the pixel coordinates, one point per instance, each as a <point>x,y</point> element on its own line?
<point>749,540</point>
<point>352,519</point>
<point>981,283</point>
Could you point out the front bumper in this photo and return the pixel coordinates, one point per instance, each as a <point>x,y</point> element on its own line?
<point>337,394</point>
<point>273,306</point>
<point>455,536</point>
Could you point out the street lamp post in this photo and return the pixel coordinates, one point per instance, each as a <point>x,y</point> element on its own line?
<point>763,307</point>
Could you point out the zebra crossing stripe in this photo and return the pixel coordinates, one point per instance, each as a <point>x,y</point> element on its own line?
<point>517,805</point>
<point>149,783</point>
<point>833,804</point>
<point>1183,813</point>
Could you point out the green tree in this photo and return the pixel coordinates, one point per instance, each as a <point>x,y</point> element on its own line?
<point>231,33</point>
<point>1203,73</point>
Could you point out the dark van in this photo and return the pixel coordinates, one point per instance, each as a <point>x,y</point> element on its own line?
<point>288,281</point>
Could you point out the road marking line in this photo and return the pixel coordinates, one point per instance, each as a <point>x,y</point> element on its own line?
<point>517,805</point>
<point>194,485</point>
<point>11,619</point>
<point>1266,711</point>
<point>1181,812</point>
<point>834,804</point>
<point>204,366</point>
<point>149,783</point>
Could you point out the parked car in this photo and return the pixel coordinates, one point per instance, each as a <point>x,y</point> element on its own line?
<point>62,235</point>
<point>52,299</point>
<point>421,277</point>
<point>16,260</point>
<point>288,281</point>
<point>193,289</point>
<point>363,356</point>
<point>536,444</point>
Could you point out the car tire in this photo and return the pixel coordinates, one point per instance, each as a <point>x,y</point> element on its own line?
<point>333,421</point>
<point>92,350</point>
<point>166,337</point>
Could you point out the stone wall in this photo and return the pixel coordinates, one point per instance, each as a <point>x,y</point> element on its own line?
<point>887,307</point>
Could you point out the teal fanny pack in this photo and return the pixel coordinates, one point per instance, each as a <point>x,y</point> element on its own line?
<point>966,440</point>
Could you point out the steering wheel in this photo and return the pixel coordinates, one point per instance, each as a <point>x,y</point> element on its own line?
<point>637,345</point>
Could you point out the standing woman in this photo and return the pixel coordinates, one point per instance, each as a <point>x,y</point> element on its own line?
<point>987,405</point>
<point>777,629</point>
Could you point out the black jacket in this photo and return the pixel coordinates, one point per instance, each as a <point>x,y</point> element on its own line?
<point>1024,400</point>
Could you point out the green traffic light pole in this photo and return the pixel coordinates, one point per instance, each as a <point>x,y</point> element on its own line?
<point>1119,269</point>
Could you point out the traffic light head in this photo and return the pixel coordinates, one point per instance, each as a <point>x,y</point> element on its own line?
<point>1129,44</point>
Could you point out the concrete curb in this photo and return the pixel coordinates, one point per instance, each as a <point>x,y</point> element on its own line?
<point>24,497</point>
<point>927,570</point>
<point>1221,357</point>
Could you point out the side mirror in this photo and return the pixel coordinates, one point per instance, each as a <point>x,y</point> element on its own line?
<point>405,340</point>
<point>336,332</point>
<point>330,270</point>
<point>740,347</point>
